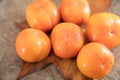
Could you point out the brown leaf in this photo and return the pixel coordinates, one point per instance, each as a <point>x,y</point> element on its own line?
<point>28,68</point>
<point>67,67</point>
<point>22,25</point>
<point>99,5</point>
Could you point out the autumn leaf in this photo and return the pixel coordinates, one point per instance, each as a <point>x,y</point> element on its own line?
<point>97,6</point>
<point>67,67</point>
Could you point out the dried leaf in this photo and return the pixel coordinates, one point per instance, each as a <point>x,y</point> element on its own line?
<point>23,25</point>
<point>69,70</point>
<point>99,5</point>
<point>67,67</point>
<point>28,68</point>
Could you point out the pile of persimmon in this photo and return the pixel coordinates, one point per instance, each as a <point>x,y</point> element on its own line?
<point>94,59</point>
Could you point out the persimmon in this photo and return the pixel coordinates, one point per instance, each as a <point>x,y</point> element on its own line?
<point>75,11</point>
<point>42,14</point>
<point>32,45</point>
<point>104,28</point>
<point>67,39</point>
<point>95,60</point>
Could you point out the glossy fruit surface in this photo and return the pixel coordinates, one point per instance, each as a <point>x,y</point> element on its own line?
<point>76,11</point>
<point>104,28</point>
<point>42,14</point>
<point>67,39</point>
<point>95,60</point>
<point>32,45</point>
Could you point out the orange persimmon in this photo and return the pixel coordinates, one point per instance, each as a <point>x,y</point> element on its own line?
<point>95,60</point>
<point>104,28</point>
<point>42,14</point>
<point>32,45</point>
<point>67,39</point>
<point>75,11</point>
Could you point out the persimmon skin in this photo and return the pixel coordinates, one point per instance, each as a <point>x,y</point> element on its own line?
<point>95,60</point>
<point>104,28</point>
<point>75,11</point>
<point>67,39</point>
<point>32,45</point>
<point>42,14</point>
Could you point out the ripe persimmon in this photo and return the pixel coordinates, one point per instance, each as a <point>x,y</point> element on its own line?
<point>95,60</point>
<point>42,14</point>
<point>67,39</point>
<point>104,28</point>
<point>32,45</point>
<point>75,11</point>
